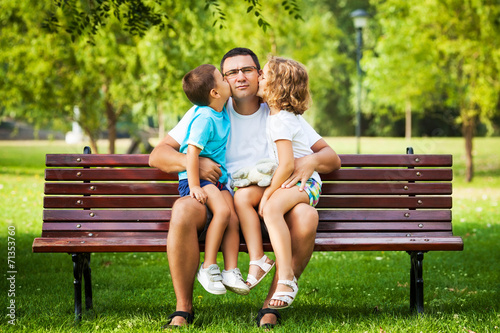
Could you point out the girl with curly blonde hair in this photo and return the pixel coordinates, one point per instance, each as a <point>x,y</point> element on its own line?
<point>284,86</point>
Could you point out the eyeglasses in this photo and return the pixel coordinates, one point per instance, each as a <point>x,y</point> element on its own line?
<point>245,70</point>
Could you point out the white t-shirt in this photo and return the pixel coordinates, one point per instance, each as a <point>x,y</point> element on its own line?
<point>287,126</point>
<point>247,143</point>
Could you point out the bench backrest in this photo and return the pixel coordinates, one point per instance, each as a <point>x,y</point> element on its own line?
<point>104,196</point>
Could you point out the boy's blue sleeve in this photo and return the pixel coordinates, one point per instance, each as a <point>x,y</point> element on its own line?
<point>201,131</point>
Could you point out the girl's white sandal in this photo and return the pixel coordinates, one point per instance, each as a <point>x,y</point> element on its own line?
<point>264,266</point>
<point>285,296</point>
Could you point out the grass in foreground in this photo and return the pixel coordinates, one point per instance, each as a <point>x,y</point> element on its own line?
<point>340,292</point>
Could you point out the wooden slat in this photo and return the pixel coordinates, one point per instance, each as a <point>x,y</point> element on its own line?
<point>148,174</point>
<point>96,160</point>
<point>78,245</point>
<point>320,234</point>
<point>333,215</point>
<point>111,189</point>
<point>106,215</point>
<point>324,202</point>
<point>384,202</point>
<point>404,160</point>
<point>337,226</point>
<point>386,188</point>
<point>384,226</point>
<point>389,244</point>
<point>151,174</point>
<point>109,202</point>
<point>348,160</point>
<point>325,216</point>
<point>389,175</point>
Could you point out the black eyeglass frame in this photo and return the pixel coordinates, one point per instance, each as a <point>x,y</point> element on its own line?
<point>245,70</point>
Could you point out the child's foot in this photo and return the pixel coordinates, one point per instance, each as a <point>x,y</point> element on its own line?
<point>211,279</point>
<point>233,281</point>
<point>258,270</point>
<point>285,294</point>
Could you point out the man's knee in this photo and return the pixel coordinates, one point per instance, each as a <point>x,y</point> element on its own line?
<point>187,212</point>
<point>303,221</point>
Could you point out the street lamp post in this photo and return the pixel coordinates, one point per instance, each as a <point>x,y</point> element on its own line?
<point>360,18</point>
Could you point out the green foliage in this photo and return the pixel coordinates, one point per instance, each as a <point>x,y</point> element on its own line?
<point>436,54</point>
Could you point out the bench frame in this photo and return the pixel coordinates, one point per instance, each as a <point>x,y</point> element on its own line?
<point>415,244</point>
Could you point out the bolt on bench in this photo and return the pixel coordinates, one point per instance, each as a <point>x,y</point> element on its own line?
<point>117,203</point>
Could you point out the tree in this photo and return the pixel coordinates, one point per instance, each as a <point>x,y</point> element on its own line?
<point>439,52</point>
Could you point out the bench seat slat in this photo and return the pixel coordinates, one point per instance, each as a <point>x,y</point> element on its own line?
<point>171,188</point>
<point>324,202</point>
<point>79,245</point>
<point>141,160</point>
<point>111,189</point>
<point>320,234</point>
<point>149,174</point>
<point>152,226</point>
<point>58,215</point>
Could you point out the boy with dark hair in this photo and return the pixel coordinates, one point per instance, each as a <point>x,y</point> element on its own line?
<point>207,136</point>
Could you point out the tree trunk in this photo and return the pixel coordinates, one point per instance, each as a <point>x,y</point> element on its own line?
<point>468,127</point>
<point>112,119</point>
<point>408,120</point>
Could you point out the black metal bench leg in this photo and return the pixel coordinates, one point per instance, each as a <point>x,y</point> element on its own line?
<point>88,282</point>
<point>81,269</point>
<point>416,282</point>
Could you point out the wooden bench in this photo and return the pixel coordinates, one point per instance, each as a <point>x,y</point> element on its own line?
<point>117,203</point>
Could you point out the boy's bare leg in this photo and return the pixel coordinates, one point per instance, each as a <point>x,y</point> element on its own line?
<point>230,245</point>
<point>302,221</point>
<point>188,218</point>
<point>221,214</point>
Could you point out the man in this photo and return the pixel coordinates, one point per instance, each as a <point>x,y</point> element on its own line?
<point>247,144</point>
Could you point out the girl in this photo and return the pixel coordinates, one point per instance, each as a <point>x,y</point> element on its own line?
<point>284,85</point>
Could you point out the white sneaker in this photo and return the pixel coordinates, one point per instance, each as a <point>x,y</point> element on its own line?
<point>211,279</point>
<point>234,282</point>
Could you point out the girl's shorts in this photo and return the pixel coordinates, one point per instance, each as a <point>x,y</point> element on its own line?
<point>313,190</point>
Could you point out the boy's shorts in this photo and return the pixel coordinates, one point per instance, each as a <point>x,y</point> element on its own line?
<point>184,186</point>
<point>313,190</point>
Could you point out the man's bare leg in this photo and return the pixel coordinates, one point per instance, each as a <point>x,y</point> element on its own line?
<point>302,222</point>
<point>188,218</point>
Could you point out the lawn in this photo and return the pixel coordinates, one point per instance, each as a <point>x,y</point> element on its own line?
<point>340,292</point>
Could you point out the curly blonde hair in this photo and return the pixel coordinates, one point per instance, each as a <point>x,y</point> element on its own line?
<point>287,85</point>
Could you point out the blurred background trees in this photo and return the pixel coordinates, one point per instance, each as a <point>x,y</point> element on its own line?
<point>434,62</point>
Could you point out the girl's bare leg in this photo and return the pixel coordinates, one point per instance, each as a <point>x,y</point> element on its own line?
<point>281,202</point>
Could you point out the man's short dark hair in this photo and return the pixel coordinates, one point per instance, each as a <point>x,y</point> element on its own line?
<point>240,51</point>
<point>198,83</point>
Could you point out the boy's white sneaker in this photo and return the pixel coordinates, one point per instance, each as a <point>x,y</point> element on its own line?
<point>211,279</point>
<point>233,281</point>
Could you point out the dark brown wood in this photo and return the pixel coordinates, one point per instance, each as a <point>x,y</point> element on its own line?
<point>140,160</point>
<point>111,189</point>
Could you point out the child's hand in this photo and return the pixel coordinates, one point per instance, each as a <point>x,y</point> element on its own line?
<point>199,194</point>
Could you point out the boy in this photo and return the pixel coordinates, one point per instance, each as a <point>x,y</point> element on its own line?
<point>207,136</point>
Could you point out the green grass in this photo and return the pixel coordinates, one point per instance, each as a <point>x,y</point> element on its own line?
<point>340,292</point>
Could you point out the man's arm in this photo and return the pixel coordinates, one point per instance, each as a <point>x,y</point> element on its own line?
<point>323,160</point>
<point>166,157</point>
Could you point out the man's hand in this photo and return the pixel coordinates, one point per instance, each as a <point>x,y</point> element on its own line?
<point>303,170</point>
<point>199,194</point>
<point>209,170</point>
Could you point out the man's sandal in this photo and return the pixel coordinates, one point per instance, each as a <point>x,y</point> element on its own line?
<point>285,296</point>
<point>265,265</point>
<point>263,312</point>
<point>186,315</point>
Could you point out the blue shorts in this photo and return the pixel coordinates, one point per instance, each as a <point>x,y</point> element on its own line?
<point>184,186</point>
